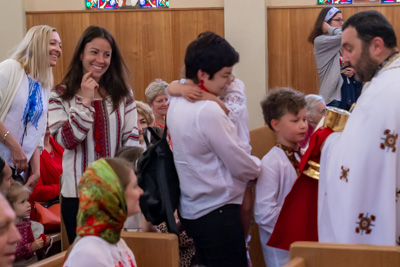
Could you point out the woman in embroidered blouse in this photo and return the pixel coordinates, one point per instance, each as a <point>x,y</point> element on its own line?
<point>92,113</point>
<point>108,193</point>
<point>157,99</point>
<point>27,74</point>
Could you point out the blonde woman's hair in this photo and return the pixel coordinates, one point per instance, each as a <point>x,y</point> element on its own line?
<point>146,111</point>
<point>15,191</point>
<point>33,54</point>
<point>154,89</point>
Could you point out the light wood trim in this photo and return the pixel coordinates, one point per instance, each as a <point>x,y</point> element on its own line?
<point>125,10</point>
<point>345,255</point>
<point>338,6</point>
<point>53,261</point>
<point>152,42</point>
<point>296,262</point>
<point>153,249</point>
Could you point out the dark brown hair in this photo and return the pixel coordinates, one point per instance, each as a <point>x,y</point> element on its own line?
<point>280,102</point>
<point>130,154</point>
<point>122,169</point>
<point>114,80</point>
<point>317,31</point>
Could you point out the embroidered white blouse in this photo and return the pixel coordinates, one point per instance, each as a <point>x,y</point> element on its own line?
<point>95,251</point>
<point>26,119</point>
<point>89,133</point>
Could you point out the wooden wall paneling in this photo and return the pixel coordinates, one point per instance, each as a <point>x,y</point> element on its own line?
<point>290,56</point>
<point>152,42</point>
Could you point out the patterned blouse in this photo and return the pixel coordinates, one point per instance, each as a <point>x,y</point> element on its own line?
<point>89,133</point>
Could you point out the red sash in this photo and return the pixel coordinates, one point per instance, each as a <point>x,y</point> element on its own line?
<point>297,220</point>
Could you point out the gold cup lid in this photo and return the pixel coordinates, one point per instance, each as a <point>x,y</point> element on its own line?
<point>313,170</point>
<point>336,118</point>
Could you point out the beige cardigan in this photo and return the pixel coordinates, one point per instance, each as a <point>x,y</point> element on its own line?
<point>11,74</point>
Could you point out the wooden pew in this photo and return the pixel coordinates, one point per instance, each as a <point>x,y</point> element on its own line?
<point>153,249</point>
<point>150,249</point>
<point>262,140</point>
<point>54,261</point>
<point>314,254</point>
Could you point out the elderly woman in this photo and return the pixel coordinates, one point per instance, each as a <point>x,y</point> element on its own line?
<point>157,99</point>
<point>108,193</point>
<point>316,110</point>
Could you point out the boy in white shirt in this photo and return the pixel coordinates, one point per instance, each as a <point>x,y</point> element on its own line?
<point>285,113</point>
<point>213,168</point>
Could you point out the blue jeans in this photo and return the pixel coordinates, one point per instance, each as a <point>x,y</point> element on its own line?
<point>219,237</point>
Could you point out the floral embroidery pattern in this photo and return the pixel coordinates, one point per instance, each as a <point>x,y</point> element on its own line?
<point>34,107</point>
<point>102,203</point>
<point>290,154</point>
<point>365,223</point>
<point>389,141</point>
<point>345,172</point>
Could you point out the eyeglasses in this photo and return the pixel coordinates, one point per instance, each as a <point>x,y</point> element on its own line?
<point>338,20</point>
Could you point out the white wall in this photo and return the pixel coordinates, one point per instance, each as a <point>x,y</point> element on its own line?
<point>13,26</point>
<point>248,35</point>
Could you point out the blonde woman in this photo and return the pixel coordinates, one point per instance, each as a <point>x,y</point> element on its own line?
<point>157,99</point>
<point>145,119</point>
<point>27,74</point>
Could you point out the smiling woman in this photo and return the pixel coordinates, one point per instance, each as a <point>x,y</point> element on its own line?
<point>92,113</point>
<point>27,74</point>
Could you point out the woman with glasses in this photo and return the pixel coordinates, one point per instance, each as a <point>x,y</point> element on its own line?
<point>337,84</point>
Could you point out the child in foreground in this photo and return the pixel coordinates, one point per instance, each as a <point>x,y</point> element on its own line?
<point>29,247</point>
<point>285,113</point>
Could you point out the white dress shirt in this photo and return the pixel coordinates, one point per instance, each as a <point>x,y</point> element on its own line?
<point>213,168</point>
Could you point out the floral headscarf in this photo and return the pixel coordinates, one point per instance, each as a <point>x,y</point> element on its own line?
<point>102,204</point>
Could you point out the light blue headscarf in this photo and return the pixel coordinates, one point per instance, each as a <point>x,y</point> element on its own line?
<point>331,13</point>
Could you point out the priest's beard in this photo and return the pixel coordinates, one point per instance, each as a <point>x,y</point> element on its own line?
<point>366,66</point>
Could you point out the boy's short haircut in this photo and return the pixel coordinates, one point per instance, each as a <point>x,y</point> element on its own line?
<point>15,190</point>
<point>209,53</point>
<point>280,102</point>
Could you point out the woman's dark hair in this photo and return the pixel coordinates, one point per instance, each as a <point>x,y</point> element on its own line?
<point>317,31</point>
<point>209,53</point>
<point>114,80</point>
<point>370,24</point>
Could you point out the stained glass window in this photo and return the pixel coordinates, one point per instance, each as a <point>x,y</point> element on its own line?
<point>334,2</point>
<point>112,4</point>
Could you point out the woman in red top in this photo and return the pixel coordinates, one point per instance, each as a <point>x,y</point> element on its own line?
<point>48,186</point>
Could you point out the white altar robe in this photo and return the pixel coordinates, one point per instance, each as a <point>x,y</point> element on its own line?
<point>359,186</point>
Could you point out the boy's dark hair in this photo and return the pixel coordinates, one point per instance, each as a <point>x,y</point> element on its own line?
<point>209,53</point>
<point>281,101</point>
<point>370,24</point>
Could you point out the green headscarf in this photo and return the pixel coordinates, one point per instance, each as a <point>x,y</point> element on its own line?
<point>102,204</point>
